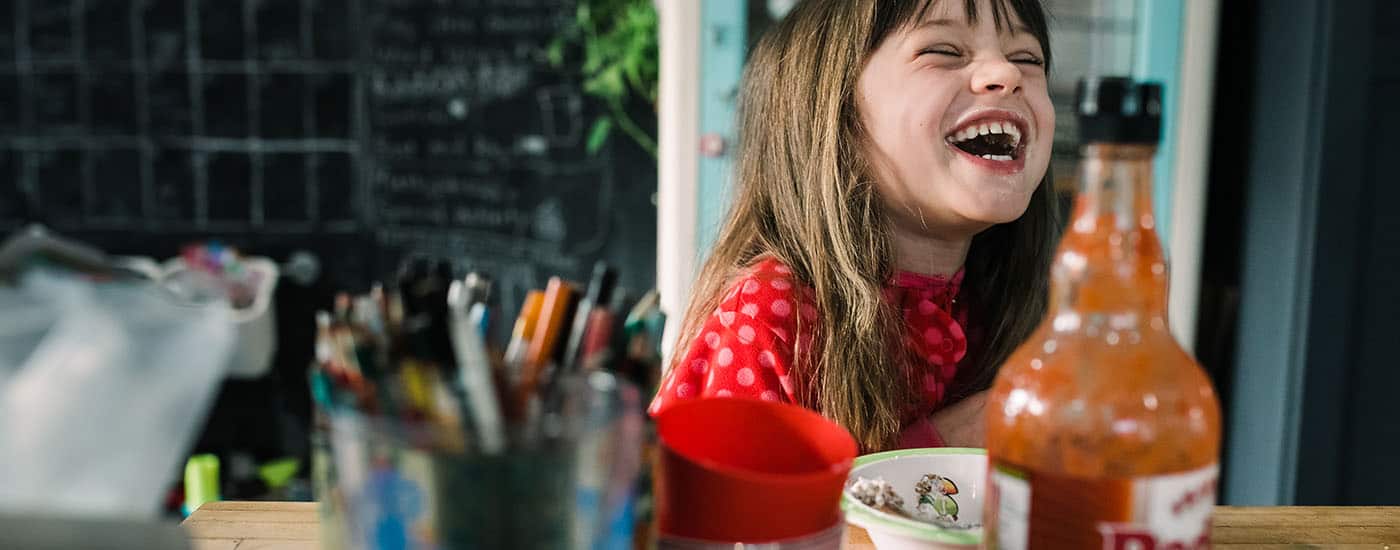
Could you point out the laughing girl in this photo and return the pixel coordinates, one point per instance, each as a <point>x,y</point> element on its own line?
<point>889,242</point>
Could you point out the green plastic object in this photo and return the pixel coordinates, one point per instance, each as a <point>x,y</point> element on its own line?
<point>201,481</point>
<point>277,473</point>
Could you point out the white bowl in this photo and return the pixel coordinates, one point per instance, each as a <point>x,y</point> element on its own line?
<point>965,468</point>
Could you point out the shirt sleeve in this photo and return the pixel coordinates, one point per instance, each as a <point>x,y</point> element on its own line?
<point>746,349</point>
<point>742,350</point>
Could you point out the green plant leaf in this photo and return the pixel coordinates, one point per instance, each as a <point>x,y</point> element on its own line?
<point>583,15</point>
<point>633,69</point>
<point>640,15</point>
<point>608,84</point>
<point>555,53</point>
<point>598,135</point>
<point>592,58</point>
<point>613,47</point>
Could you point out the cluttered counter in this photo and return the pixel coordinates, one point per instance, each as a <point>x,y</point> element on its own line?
<point>476,452</point>
<point>295,526</point>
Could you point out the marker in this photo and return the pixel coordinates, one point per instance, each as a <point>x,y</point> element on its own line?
<point>520,337</point>
<point>643,330</point>
<point>598,340</point>
<point>559,302</point>
<point>600,288</point>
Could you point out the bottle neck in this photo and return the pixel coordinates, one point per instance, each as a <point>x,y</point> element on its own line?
<point>1110,259</point>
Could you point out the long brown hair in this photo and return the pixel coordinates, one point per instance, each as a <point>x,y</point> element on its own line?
<point>806,195</point>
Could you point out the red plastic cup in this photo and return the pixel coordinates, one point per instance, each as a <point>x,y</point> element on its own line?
<point>743,470</point>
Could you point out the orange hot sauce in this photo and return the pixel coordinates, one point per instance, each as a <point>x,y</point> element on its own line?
<point>1102,432</point>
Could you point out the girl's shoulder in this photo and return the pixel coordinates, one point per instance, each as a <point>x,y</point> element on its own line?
<point>769,269</point>
<point>768,292</point>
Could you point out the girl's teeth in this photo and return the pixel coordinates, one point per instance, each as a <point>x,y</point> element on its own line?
<point>997,157</point>
<point>1005,128</point>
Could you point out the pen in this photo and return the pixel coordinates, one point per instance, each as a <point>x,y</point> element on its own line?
<point>478,291</point>
<point>474,368</point>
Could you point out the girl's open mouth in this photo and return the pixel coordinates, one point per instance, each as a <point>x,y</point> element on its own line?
<point>993,142</point>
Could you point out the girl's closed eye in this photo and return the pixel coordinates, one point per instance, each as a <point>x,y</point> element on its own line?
<point>942,50</point>
<point>1026,58</point>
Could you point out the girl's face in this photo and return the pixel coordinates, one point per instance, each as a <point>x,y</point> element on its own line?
<point>958,119</point>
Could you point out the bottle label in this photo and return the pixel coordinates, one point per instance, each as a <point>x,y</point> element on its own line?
<point>1033,510</point>
<point>1013,501</point>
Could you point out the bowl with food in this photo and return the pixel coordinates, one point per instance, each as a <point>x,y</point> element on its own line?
<point>918,498</point>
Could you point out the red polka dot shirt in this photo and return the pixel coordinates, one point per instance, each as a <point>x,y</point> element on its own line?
<point>745,349</point>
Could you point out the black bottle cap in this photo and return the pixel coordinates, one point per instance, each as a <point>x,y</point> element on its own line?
<point>1115,109</point>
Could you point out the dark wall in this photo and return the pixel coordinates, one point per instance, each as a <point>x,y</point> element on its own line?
<point>1345,106</point>
<point>1371,425</point>
<point>362,131</point>
<point>1315,417</point>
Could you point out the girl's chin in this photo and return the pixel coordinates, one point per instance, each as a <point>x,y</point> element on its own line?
<point>996,200</point>
<point>996,212</point>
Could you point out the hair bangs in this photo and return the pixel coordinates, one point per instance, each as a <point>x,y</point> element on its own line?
<point>892,15</point>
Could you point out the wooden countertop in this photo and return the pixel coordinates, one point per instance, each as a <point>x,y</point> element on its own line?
<point>294,526</point>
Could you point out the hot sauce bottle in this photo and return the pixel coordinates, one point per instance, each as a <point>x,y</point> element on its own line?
<point>1102,432</point>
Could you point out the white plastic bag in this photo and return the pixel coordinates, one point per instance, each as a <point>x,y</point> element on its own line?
<point>103,385</point>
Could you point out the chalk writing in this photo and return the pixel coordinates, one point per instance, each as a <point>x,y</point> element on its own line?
<point>488,80</point>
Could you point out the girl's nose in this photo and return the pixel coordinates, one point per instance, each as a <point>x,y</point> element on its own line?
<point>999,76</point>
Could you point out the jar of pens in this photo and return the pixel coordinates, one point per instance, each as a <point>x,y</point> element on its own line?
<point>427,438</point>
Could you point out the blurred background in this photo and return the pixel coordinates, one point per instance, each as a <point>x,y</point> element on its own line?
<point>530,138</point>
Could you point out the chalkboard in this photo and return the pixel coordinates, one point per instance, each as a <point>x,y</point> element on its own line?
<point>363,131</point>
